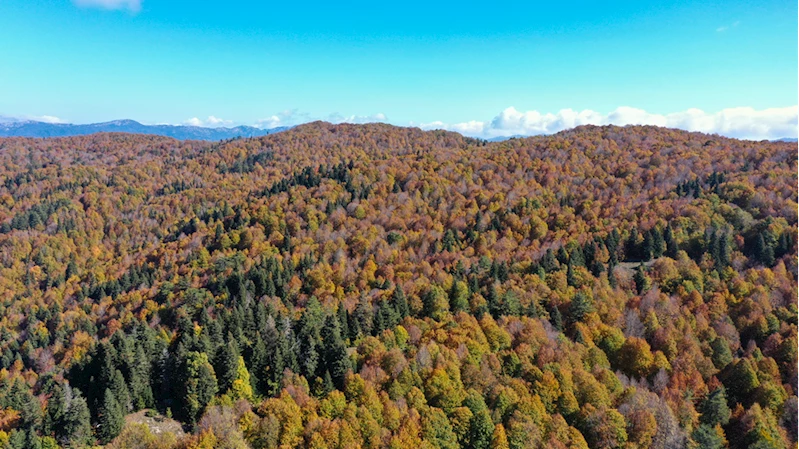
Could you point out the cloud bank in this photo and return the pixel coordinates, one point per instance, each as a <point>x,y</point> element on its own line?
<point>33,118</point>
<point>742,122</point>
<point>210,122</point>
<point>293,117</point>
<point>130,5</point>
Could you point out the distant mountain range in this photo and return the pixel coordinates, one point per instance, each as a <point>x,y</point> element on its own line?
<point>787,139</point>
<point>42,129</point>
<point>504,138</point>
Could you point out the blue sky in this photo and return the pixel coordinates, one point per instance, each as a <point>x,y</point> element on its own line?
<point>475,67</point>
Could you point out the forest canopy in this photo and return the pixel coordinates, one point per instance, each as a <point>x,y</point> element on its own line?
<point>371,286</point>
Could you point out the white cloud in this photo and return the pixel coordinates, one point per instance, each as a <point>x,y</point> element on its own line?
<point>130,5</point>
<point>724,28</point>
<point>210,122</point>
<point>338,118</point>
<point>741,122</point>
<point>217,121</point>
<point>34,118</point>
<point>47,119</point>
<point>291,117</point>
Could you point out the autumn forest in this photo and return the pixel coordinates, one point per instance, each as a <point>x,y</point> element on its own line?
<point>372,286</point>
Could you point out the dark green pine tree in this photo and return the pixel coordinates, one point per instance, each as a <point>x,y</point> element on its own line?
<point>647,246</point>
<point>336,360</point>
<point>364,315</point>
<point>140,389</point>
<point>385,317</point>
<point>714,409</point>
<point>549,262</point>
<point>581,305</point>
<point>492,299</point>
<point>110,418</point>
<point>258,365</point>
<point>723,245</point>
<point>764,253</point>
<point>571,279</point>
<point>287,354</point>
<point>631,248</point>
<point>597,268</point>
<point>309,357</point>
<point>658,243</point>
<point>225,364</point>
<point>32,440</point>
<point>671,244</point>
<point>399,302</point>
<point>56,408</point>
<point>328,383</point>
<point>706,437</point>
<point>577,257</point>
<point>197,385</point>
<point>270,371</point>
<point>563,256</point>
<point>76,430</point>
<point>555,318</point>
<point>120,390</point>
<point>642,282</point>
<point>343,325</point>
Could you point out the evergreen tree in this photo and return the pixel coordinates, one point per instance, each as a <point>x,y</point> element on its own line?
<point>764,253</point>
<point>549,262</point>
<point>32,440</point>
<point>580,306</point>
<point>722,356</point>
<point>343,325</point>
<point>77,427</point>
<point>647,246</point>
<point>336,360</point>
<point>642,282</point>
<point>714,409</point>
<point>555,318</point>
<point>631,249</point>
<point>198,385</point>
<point>571,279</point>
<point>110,418</point>
<point>657,243</point>
<point>120,390</point>
<point>706,437</point>
<point>363,315</point>
<point>671,244</point>
<point>400,302</point>
<point>225,364</point>
<point>56,408</point>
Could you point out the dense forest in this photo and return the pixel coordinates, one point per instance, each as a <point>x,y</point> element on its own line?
<point>370,286</point>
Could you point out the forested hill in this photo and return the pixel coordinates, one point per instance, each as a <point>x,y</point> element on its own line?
<point>370,286</point>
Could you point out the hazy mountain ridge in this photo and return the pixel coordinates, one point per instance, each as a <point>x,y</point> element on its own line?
<point>180,132</point>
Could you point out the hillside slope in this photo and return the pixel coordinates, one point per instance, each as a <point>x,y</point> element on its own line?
<point>376,286</point>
